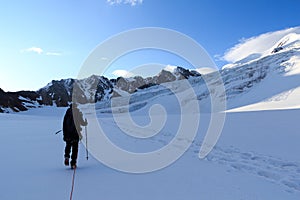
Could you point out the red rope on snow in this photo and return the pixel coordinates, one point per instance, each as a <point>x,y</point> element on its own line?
<point>73,180</point>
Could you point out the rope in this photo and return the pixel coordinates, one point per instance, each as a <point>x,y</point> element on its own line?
<point>73,180</point>
<point>86,144</point>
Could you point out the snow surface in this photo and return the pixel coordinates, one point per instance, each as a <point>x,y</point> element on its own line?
<point>257,157</point>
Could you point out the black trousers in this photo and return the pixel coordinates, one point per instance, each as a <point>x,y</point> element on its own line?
<point>74,146</point>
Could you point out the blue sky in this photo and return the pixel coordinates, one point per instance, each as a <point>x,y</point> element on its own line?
<point>50,39</point>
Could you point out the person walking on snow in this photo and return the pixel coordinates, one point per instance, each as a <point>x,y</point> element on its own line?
<point>73,120</point>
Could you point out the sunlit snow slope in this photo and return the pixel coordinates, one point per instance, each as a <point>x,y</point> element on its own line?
<point>280,66</point>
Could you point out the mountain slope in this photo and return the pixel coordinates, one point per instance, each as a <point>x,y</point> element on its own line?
<point>88,90</point>
<point>18,101</point>
<point>281,87</point>
<point>270,81</point>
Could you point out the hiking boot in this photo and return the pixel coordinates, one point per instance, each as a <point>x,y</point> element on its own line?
<point>66,161</point>
<point>73,164</point>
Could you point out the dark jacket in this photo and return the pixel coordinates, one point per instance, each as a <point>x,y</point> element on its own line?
<point>72,123</point>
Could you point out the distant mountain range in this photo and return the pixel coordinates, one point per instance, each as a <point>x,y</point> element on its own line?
<point>91,89</point>
<point>271,77</point>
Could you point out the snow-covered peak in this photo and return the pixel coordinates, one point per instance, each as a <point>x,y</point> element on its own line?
<point>289,41</point>
<point>255,48</point>
<point>170,68</point>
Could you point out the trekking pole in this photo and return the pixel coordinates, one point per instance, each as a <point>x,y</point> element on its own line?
<point>58,132</point>
<point>86,144</point>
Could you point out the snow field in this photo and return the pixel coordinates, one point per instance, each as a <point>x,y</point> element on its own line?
<point>255,158</point>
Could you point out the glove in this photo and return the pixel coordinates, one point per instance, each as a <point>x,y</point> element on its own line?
<point>80,136</point>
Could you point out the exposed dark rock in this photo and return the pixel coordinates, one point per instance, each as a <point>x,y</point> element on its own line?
<point>164,77</point>
<point>18,101</point>
<point>146,86</point>
<point>57,92</point>
<point>185,73</point>
<point>93,89</point>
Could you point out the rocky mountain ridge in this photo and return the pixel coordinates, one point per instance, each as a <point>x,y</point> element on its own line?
<point>92,89</point>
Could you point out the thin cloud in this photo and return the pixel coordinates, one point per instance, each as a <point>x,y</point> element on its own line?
<point>122,73</point>
<point>37,50</point>
<point>130,2</point>
<point>53,54</point>
<point>40,51</point>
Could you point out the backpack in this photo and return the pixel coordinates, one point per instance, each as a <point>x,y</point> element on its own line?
<point>69,129</point>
